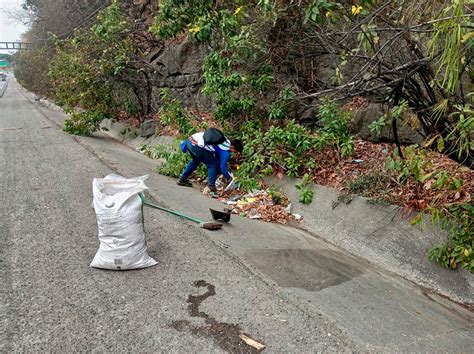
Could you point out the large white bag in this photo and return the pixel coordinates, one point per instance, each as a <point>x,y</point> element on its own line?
<point>119,210</point>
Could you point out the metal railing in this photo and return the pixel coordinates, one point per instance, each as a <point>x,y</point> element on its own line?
<point>16,45</point>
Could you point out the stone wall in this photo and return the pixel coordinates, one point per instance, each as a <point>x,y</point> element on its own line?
<point>176,64</point>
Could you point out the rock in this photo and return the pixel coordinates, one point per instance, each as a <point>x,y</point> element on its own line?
<point>148,128</point>
<point>178,67</point>
<point>180,59</point>
<point>362,117</point>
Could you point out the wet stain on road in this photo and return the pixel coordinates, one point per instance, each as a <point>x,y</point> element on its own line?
<point>312,270</point>
<point>224,335</point>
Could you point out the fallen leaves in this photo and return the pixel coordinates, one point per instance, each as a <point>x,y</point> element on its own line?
<point>338,173</point>
<point>257,205</point>
<point>260,205</point>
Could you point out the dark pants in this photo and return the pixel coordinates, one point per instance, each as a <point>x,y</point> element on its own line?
<point>199,155</point>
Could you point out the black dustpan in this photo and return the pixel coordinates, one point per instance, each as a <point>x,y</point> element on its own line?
<point>221,215</point>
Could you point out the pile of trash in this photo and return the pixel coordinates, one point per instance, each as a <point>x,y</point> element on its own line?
<point>261,204</point>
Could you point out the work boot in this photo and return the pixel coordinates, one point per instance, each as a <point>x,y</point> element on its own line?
<point>212,189</point>
<point>184,182</point>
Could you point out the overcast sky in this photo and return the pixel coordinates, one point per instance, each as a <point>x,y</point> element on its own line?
<point>10,30</point>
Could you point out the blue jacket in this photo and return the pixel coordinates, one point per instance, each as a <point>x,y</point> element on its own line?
<point>221,155</point>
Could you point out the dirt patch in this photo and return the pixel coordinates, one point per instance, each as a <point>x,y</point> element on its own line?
<point>224,335</point>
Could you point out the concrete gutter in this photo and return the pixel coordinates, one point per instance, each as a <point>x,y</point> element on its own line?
<point>382,235</point>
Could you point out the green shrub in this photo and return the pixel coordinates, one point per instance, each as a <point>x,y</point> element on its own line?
<point>83,123</point>
<point>174,114</point>
<point>458,221</point>
<point>305,190</point>
<point>85,71</point>
<point>335,130</point>
<point>288,148</point>
<point>174,159</point>
<point>417,165</point>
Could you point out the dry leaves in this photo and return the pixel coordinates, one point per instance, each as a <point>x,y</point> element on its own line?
<point>369,158</point>
<point>258,205</point>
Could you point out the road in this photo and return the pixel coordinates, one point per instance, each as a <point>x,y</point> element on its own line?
<point>283,288</point>
<point>51,300</point>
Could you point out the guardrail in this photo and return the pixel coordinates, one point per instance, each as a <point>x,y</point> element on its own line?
<point>16,45</point>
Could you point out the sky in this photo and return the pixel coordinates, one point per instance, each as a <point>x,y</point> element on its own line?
<point>10,30</point>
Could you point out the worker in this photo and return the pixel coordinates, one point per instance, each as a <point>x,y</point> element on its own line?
<point>213,149</point>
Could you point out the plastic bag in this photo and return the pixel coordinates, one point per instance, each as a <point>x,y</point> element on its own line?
<point>119,210</point>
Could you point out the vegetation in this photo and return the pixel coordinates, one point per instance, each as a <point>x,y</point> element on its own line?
<point>305,190</point>
<point>31,68</point>
<point>383,41</point>
<point>90,71</point>
<point>172,113</point>
<point>458,221</point>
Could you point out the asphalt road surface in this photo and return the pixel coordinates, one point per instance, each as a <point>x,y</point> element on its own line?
<point>281,286</point>
<point>198,298</point>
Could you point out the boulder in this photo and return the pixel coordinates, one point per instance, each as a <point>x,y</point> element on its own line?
<point>363,116</point>
<point>148,128</point>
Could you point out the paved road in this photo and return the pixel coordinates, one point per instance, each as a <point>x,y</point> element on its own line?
<point>50,298</point>
<point>280,285</point>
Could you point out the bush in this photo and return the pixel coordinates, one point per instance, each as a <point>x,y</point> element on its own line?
<point>83,123</point>
<point>286,148</point>
<point>31,70</point>
<point>172,113</point>
<point>305,190</point>
<point>335,130</point>
<point>85,71</point>
<point>459,222</point>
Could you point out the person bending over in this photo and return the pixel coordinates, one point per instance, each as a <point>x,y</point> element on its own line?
<point>213,149</point>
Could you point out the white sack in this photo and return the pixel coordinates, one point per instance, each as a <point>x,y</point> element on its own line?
<point>119,211</point>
